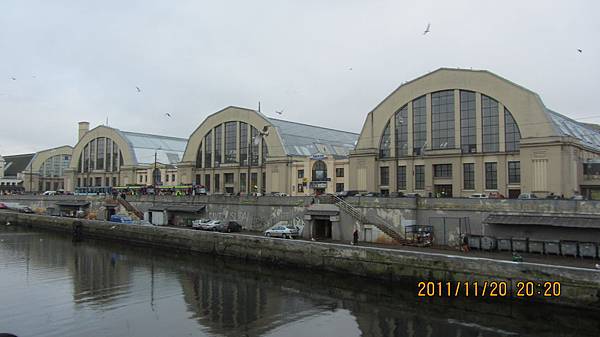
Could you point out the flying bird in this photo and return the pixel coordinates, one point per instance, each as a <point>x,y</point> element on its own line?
<point>168,114</point>
<point>13,78</point>
<point>138,89</point>
<point>280,112</point>
<point>427,29</point>
<point>350,68</point>
<point>579,50</point>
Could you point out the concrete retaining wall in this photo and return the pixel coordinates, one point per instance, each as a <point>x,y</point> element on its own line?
<point>580,287</point>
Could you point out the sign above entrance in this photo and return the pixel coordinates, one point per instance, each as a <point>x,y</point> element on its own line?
<point>318,156</point>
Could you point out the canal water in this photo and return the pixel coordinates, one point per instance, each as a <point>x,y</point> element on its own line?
<point>53,286</point>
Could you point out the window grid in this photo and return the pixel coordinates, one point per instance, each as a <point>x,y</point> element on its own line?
<point>218,152</point>
<point>384,175</point>
<point>339,172</point>
<point>490,124</point>
<point>514,172</point>
<point>208,149</point>
<point>402,132</point>
<point>469,176</point>
<point>231,142</point>
<point>442,119</point>
<point>243,143</point>
<point>401,174</point>
<point>442,171</point>
<point>384,146</point>
<point>512,134</point>
<point>419,177</point>
<point>419,124</point>
<point>491,176</point>
<point>468,136</point>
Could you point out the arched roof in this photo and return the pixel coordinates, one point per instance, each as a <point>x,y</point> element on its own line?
<point>527,108</point>
<point>136,148</point>
<point>285,138</point>
<point>40,157</point>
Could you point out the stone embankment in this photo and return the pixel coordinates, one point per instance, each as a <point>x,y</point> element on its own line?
<point>579,287</point>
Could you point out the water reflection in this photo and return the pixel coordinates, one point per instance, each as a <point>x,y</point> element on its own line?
<point>52,286</point>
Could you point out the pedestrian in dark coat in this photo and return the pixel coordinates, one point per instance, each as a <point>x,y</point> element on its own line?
<point>355,236</point>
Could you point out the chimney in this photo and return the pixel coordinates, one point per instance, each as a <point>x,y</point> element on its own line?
<point>84,127</point>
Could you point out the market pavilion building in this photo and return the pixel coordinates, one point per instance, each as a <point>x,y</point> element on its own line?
<point>105,156</point>
<point>456,132</point>
<point>238,150</point>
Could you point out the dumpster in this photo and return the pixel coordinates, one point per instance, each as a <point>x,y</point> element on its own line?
<point>552,247</point>
<point>569,248</point>
<point>488,243</point>
<point>536,246</point>
<point>519,244</point>
<point>505,244</point>
<point>474,241</point>
<point>588,249</point>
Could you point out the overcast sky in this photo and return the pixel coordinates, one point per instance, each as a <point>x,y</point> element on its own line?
<point>82,60</point>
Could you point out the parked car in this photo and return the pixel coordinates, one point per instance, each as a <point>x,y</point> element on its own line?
<point>197,224</point>
<point>496,195</point>
<point>25,209</point>
<point>282,231</point>
<point>345,194</point>
<point>478,196</point>
<point>279,194</point>
<point>228,227</point>
<point>49,193</point>
<point>210,225</point>
<point>412,195</point>
<point>527,196</point>
<point>3,206</point>
<point>121,219</point>
<point>575,197</point>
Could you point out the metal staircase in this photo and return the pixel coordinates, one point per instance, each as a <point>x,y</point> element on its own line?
<point>130,208</point>
<point>374,220</point>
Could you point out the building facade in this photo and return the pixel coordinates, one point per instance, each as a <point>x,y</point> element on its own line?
<point>46,170</point>
<point>457,132</point>
<point>105,156</point>
<point>238,150</point>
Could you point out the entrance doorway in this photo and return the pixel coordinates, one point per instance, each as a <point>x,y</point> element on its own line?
<point>443,191</point>
<point>322,229</point>
<point>513,193</point>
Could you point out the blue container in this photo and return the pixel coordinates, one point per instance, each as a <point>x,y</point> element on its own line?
<point>120,219</point>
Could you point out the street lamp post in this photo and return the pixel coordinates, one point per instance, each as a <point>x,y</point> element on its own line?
<point>257,138</point>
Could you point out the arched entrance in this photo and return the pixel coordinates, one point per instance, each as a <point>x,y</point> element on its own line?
<point>319,177</point>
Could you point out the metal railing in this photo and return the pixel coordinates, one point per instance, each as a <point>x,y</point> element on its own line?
<point>130,208</point>
<point>374,220</point>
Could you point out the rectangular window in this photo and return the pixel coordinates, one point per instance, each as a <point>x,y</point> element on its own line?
<point>166,178</point>
<point>490,125</point>
<point>491,176</point>
<point>339,172</point>
<point>253,182</point>
<point>254,144</point>
<point>402,132</point>
<point>442,119</point>
<point>339,187</point>
<point>468,141</point>
<point>228,178</point>
<point>300,188</point>
<point>469,176</point>
<point>172,177</point>
<point>98,181</point>
<point>217,182</point>
<point>218,151</point>
<point>401,177</point>
<point>263,183</point>
<point>243,144</point>
<point>207,182</point>
<point>100,157</point>
<point>419,125</point>
<point>243,182</point>
<point>300,173</point>
<point>231,142</point>
<point>198,179</point>
<point>442,171</point>
<point>419,177</point>
<point>514,172</point>
<point>114,181</point>
<point>384,176</point>
<point>93,155</point>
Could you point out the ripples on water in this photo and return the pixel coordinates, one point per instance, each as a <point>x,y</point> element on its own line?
<point>51,286</point>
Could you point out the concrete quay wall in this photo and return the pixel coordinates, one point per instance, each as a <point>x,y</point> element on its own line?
<point>579,287</point>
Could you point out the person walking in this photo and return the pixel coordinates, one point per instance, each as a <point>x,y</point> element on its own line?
<point>355,236</point>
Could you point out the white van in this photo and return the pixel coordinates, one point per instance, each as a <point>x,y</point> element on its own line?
<point>49,193</point>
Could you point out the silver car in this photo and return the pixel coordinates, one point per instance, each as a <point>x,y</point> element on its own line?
<point>282,231</point>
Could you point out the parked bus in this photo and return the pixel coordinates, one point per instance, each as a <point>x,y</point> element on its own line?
<point>93,190</point>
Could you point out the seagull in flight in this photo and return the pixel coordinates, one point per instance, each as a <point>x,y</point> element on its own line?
<point>280,112</point>
<point>168,114</point>
<point>13,78</point>
<point>427,29</point>
<point>138,89</point>
<point>579,50</point>
<point>350,68</point>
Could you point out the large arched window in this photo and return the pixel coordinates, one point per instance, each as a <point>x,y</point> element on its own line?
<point>385,143</point>
<point>419,125</point>
<point>54,166</point>
<point>199,156</point>
<point>468,125</point>
<point>319,171</point>
<point>512,134</point>
<point>100,154</point>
